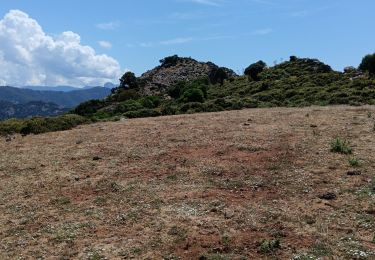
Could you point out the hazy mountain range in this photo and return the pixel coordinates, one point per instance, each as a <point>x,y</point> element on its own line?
<point>45,101</point>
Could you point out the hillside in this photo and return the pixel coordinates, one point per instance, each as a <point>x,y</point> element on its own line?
<point>248,184</point>
<point>183,85</point>
<point>65,99</point>
<point>30,109</point>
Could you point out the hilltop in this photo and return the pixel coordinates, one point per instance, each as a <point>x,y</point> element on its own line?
<point>248,184</point>
<point>173,70</point>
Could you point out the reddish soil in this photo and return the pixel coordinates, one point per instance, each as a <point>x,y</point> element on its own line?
<point>201,186</point>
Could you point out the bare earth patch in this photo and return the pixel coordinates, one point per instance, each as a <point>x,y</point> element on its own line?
<point>249,184</point>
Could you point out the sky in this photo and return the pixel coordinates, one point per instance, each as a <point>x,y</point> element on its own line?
<point>91,42</point>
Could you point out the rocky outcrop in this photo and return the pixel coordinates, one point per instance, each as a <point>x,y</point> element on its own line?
<point>175,69</point>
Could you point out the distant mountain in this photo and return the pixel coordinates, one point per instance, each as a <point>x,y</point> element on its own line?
<point>46,88</point>
<point>64,99</point>
<point>34,108</point>
<point>108,85</point>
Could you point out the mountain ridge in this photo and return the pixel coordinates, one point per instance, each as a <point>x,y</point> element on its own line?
<point>66,99</point>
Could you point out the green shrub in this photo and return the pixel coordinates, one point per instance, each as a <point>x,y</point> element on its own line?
<point>142,113</point>
<point>193,95</point>
<point>150,102</point>
<point>129,105</point>
<point>218,75</point>
<point>168,109</point>
<point>126,94</point>
<point>254,69</point>
<point>89,107</point>
<point>170,61</point>
<point>11,126</point>
<point>368,64</point>
<point>269,246</point>
<point>192,107</point>
<point>341,146</point>
<point>354,162</point>
<point>39,125</point>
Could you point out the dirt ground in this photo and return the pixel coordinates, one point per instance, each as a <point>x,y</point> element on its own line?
<point>249,184</point>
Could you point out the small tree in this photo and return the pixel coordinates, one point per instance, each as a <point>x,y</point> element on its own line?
<point>129,80</point>
<point>254,69</point>
<point>218,75</point>
<point>293,58</point>
<point>170,61</point>
<point>193,95</point>
<point>368,64</point>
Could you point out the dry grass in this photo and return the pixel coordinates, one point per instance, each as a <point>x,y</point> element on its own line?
<point>220,185</point>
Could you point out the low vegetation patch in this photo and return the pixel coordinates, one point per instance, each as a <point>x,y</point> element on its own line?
<point>269,246</point>
<point>341,146</point>
<point>39,125</point>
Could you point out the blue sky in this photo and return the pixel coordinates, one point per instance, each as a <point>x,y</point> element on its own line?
<point>134,35</point>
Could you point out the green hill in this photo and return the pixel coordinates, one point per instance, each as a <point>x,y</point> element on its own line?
<point>298,82</point>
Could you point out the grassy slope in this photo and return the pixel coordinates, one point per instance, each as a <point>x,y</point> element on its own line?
<point>213,185</point>
<point>298,83</point>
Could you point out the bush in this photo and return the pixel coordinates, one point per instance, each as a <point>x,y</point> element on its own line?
<point>11,126</point>
<point>192,107</point>
<point>177,90</point>
<point>218,75</point>
<point>341,146</point>
<point>129,105</point>
<point>142,113</point>
<point>269,246</point>
<point>89,107</point>
<point>368,64</point>
<point>39,125</point>
<point>126,94</point>
<point>150,102</point>
<point>254,69</point>
<point>170,61</point>
<point>293,58</point>
<point>193,95</point>
<point>168,109</point>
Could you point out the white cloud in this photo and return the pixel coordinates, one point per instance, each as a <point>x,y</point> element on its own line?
<point>207,2</point>
<point>108,26</point>
<point>105,44</point>
<point>29,56</point>
<point>263,31</point>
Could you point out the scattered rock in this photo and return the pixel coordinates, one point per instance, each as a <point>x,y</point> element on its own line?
<point>328,196</point>
<point>8,138</point>
<point>313,126</point>
<point>354,173</point>
<point>96,158</point>
<point>246,124</point>
<point>79,142</point>
<point>228,213</point>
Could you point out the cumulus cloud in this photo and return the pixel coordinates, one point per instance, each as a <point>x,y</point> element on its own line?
<point>105,44</point>
<point>29,56</point>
